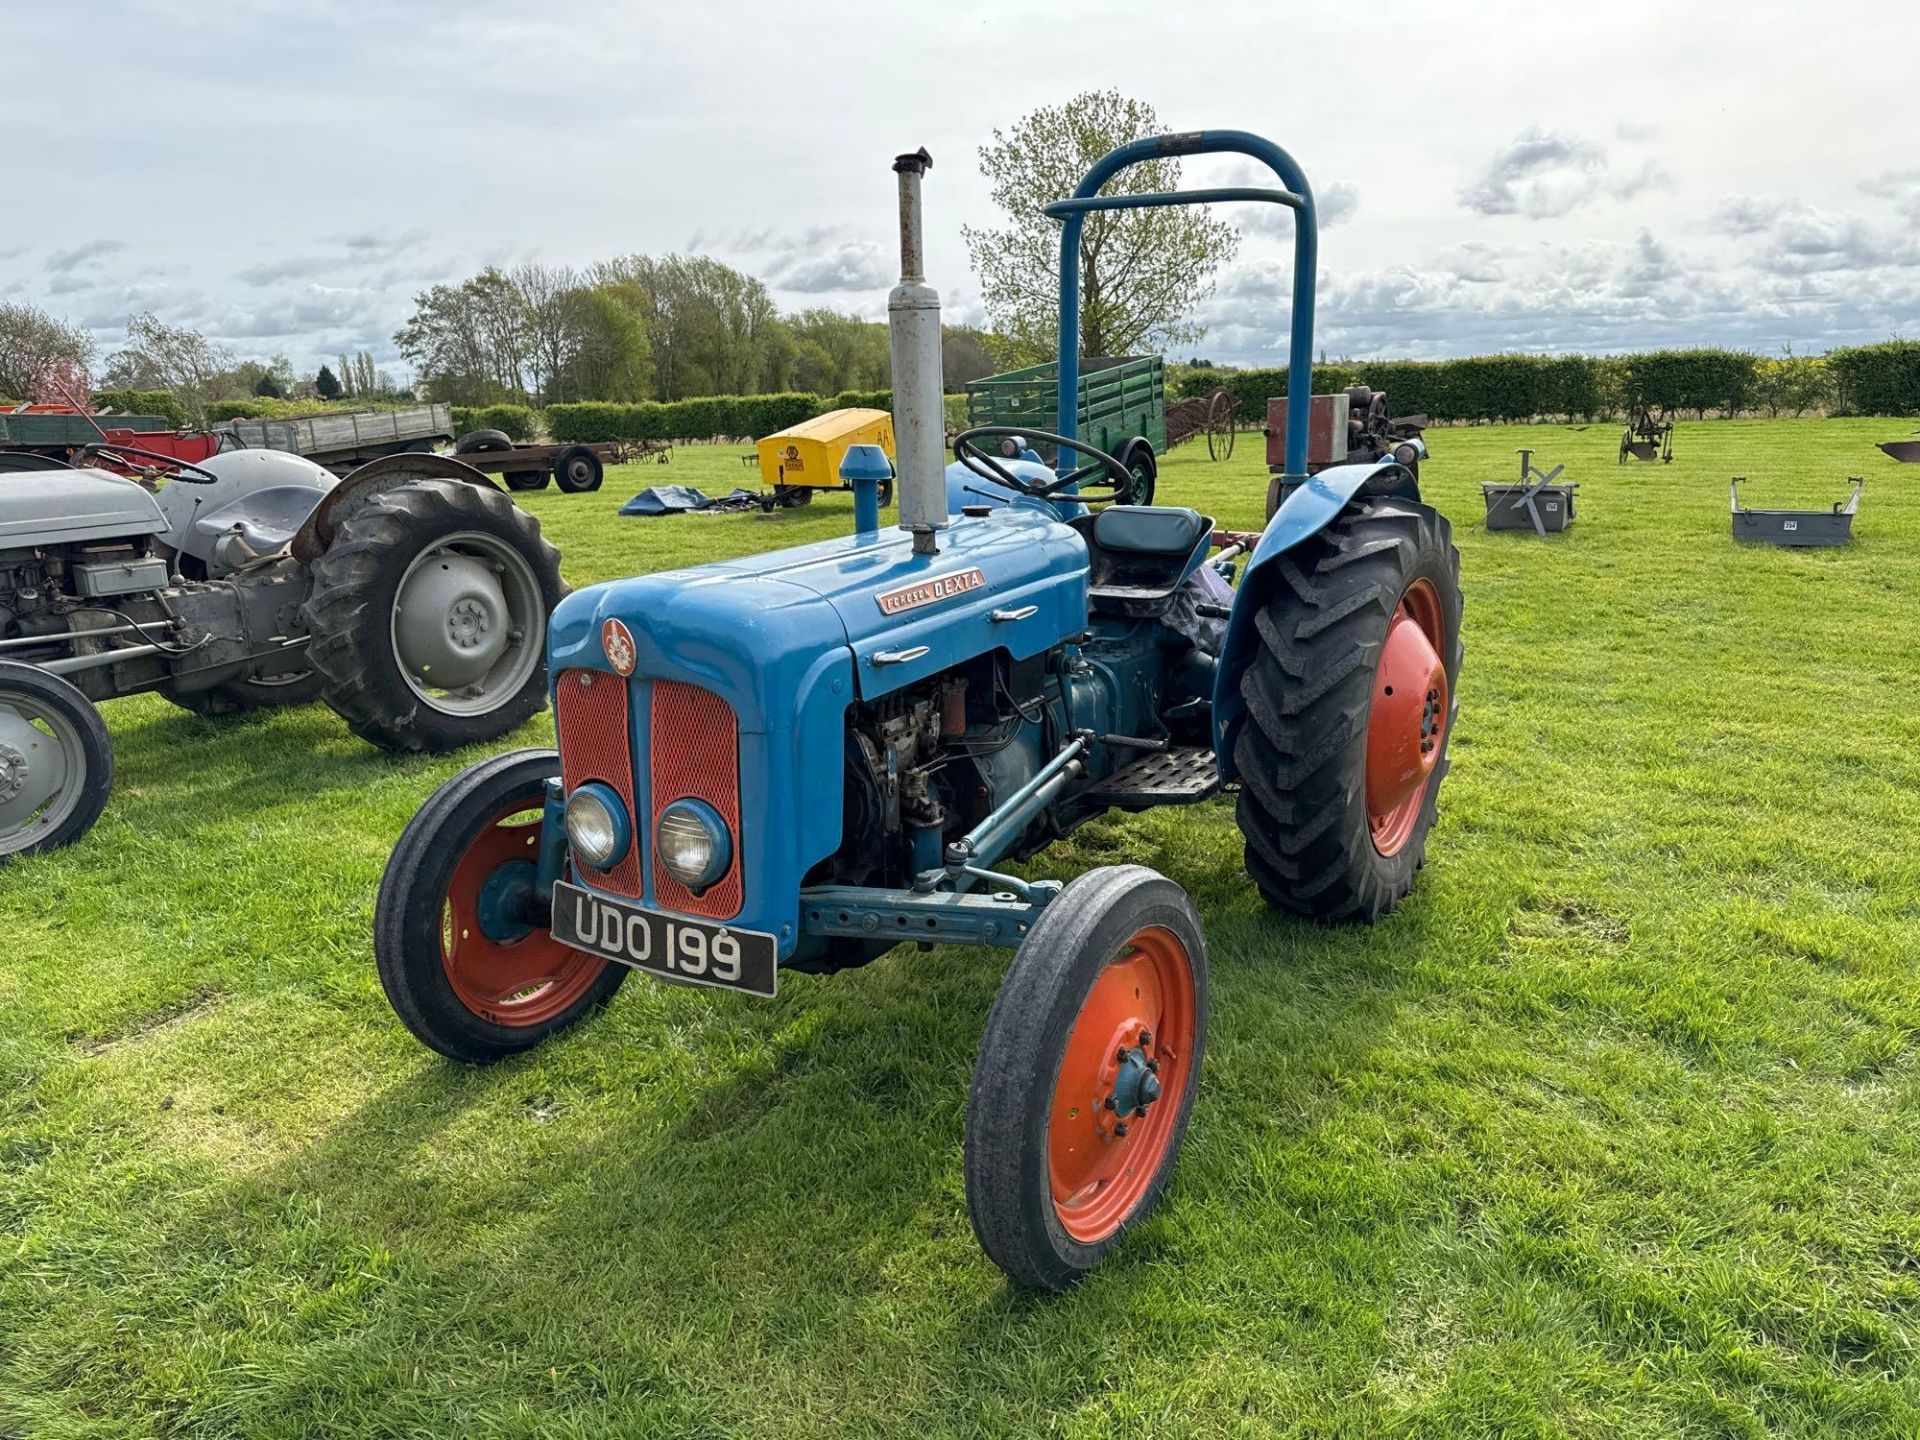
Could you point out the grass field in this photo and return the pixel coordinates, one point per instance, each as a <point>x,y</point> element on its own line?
<point>1613,1129</point>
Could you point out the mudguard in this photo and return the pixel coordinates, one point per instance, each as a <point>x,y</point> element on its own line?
<point>1305,513</point>
<point>386,473</point>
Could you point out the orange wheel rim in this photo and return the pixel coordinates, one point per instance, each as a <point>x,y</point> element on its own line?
<point>517,981</point>
<point>1101,1162</point>
<point>1406,717</point>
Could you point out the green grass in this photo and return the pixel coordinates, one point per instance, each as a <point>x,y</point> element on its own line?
<point>1610,1130</point>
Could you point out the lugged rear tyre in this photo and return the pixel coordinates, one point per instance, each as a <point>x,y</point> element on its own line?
<point>359,632</point>
<point>1309,690</point>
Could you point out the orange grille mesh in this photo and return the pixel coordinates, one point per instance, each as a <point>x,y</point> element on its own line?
<point>596,743</point>
<point>696,755</point>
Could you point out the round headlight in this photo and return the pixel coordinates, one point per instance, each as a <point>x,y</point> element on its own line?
<point>596,826</point>
<point>691,840</point>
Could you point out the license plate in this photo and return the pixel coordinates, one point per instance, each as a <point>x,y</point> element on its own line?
<point>667,945</point>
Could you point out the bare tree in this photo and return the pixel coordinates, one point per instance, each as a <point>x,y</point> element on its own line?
<point>164,357</point>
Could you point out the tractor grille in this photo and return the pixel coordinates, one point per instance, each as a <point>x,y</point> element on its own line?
<point>696,755</point>
<point>595,723</point>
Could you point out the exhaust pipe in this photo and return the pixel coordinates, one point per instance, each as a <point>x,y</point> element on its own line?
<point>919,406</point>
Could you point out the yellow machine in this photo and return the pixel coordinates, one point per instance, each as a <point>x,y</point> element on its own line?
<point>806,457</point>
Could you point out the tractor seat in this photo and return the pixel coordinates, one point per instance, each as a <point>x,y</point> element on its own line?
<point>1149,529</point>
<point>1138,555</point>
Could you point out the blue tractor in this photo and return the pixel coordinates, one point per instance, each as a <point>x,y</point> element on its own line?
<point>801,760</point>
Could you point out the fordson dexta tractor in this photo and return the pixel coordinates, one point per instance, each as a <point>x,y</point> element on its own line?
<point>801,760</point>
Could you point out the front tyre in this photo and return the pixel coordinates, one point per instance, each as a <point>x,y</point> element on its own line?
<point>428,614</point>
<point>1086,1075</point>
<point>1351,696</point>
<point>460,934</point>
<point>56,762</point>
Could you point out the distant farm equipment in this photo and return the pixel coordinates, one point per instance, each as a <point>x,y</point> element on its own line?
<point>1353,426</point>
<point>801,459</point>
<point>1907,452</point>
<point>1798,528</point>
<point>1540,500</point>
<point>342,442</point>
<point>1214,416</point>
<point>1648,435</point>
<point>1122,410</point>
<point>574,468</point>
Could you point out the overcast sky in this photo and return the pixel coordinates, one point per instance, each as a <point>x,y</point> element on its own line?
<point>285,174</point>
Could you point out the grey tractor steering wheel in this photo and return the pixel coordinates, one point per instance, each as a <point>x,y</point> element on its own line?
<point>1116,476</point>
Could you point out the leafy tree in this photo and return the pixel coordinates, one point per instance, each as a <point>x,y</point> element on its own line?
<point>613,357</point>
<point>29,339</point>
<point>470,341</point>
<point>163,357</point>
<point>328,384</point>
<point>965,355</point>
<point>268,387</point>
<point>1142,272</point>
<point>713,330</point>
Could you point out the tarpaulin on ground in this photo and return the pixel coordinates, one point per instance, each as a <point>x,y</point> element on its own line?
<point>679,499</point>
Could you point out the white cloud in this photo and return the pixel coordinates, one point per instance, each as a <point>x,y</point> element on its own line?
<point>61,262</point>
<point>1543,175</point>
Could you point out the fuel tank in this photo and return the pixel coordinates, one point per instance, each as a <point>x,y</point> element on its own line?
<point>750,628</point>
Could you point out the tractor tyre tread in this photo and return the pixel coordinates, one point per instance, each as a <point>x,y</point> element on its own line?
<point>1301,749</point>
<point>349,612</point>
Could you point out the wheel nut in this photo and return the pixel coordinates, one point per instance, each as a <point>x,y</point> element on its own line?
<point>1146,1037</point>
<point>1120,1127</point>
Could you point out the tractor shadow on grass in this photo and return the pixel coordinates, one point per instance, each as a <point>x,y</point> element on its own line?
<point>788,1172</point>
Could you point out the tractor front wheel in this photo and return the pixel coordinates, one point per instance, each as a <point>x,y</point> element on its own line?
<point>460,935</point>
<point>1350,697</point>
<point>1086,1075</point>
<point>56,762</point>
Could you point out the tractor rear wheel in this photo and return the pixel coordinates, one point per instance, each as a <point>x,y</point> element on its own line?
<point>459,932</point>
<point>429,616</point>
<point>56,762</point>
<point>1351,697</point>
<point>1086,1075</point>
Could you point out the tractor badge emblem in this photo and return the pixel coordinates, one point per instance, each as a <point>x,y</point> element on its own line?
<point>929,592</point>
<point>617,641</point>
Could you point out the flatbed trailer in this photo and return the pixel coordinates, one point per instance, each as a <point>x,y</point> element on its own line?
<point>343,442</point>
<point>574,468</point>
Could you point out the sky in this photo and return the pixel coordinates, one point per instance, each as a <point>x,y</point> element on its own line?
<point>1497,176</point>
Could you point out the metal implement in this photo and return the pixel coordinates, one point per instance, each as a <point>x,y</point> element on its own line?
<point>1213,415</point>
<point>1907,452</point>
<point>1798,528</point>
<point>1541,500</point>
<point>1647,436</point>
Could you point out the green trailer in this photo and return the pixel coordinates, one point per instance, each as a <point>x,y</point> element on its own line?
<point>1123,406</point>
<point>35,428</point>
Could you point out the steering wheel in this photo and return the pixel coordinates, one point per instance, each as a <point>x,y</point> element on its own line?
<point>1114,475</point>
<point>172,463</point>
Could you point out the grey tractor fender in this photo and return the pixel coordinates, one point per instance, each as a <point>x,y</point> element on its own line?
<point>248,509</point>
<point>376,477</point>
<point>1305,513</point>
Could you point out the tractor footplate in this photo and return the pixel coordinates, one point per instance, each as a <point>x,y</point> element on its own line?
<point>1179,776</point>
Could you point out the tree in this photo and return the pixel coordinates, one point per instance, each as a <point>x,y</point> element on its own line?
<point>712,329</point>
<point>328,384</point>
<point>162,357</point>
<point>267,387</point>
<point>1142,272</point>
<point>469,341</point>
<point>965,355</point>
<point>29,339</point>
